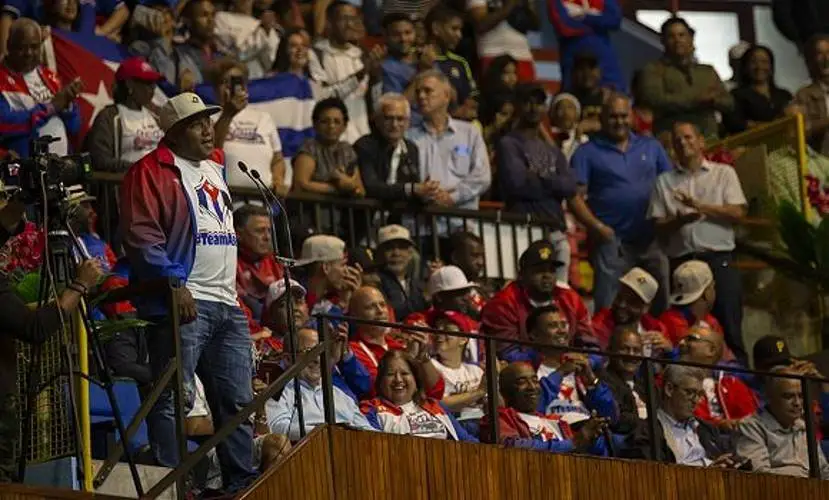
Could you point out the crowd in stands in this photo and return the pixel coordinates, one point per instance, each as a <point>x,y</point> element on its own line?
<point>381,104</point>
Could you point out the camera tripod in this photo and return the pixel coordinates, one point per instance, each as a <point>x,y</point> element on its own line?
<point>62,251</point>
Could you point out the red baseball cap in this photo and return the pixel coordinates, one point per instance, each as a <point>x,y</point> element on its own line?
<point>136,68</point>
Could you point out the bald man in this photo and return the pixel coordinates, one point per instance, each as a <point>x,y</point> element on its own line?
<point>373,341</point>
<point>33,101</point>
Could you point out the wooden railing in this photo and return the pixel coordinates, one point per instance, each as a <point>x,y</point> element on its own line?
<point>339,464</point>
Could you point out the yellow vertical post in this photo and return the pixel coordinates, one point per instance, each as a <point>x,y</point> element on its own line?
<point>802,163</point>
<point>83,401</point>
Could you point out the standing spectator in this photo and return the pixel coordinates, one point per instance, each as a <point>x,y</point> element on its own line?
<point>184,64</point>
<point>692,298</point>
<point>497,118</point>
<point>466,251</point>
<point>252,41</point>
<point>399,280</point>
<point>757,99</point>
<point>775,439</point>
<point>629,310</point>
<point>501,27</point>
<point>681,438</point>
<point>452,152</point>
<point>331,281</point>
<point>339,58</point>
<point>616,172</point>
<point>585,26</point>
<point>565,118</point>
<point>291,111</point>
<point>184,176</point>
<point>812,98</point>
<point>125,131</point>
<point>326,164</point>
<point>505,316</point>
<point>404,58</point>
<point>257,267</point>
<point>621,377</point>
<point>443,28</point>
<point>695,208</point>
<point>244,133</point>
<point>390,163</point>
<point>735,57</point>
<point>800,20</point>
<point>533,175</point>
<point>677,88</point>
<point>75,15</point>
<point>33,101</point>
<point>417,9</point>
<point>501,75</point>
<point>586,86</point>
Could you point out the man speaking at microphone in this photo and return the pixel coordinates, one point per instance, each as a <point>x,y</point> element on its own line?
<point>178,224</point>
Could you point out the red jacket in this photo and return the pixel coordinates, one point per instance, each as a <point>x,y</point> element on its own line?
<point>736,399</point>
<point>677,323</point>
<point>604,324</point>
<point>505,316</point>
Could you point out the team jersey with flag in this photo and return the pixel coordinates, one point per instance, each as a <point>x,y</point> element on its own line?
<point>253,139</point>
<point>213,277</point>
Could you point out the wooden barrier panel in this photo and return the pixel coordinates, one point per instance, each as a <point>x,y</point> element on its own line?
<point>341,464</point>
<point>24,492</point>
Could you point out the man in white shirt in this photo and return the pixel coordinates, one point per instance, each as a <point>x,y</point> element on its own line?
<point>178,223</point>
<point>244,133</point>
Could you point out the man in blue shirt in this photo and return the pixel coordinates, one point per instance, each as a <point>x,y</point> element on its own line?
<point>402,63</point>
<point>616,172</point>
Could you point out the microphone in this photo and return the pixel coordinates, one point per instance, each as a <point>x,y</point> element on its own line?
<point>263,193</point>
<point>258,179</point>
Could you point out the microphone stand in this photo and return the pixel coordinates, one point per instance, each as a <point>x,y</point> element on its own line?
<point>287,263</point>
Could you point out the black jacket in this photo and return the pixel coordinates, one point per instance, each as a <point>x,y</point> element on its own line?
<point>404,302</point>
<point>713,441</point>
<point>374,156</point>
<point>629,420</point>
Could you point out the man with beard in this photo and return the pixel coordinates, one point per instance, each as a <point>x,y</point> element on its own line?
<point>505,316</point>
<point>398,277</point>
<point>403,59</point>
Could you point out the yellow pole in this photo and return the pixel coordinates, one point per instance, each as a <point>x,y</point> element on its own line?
<point>802,163</point>
<point>83,401</point>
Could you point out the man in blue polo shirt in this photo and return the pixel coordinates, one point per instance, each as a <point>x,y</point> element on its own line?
<point>616,172</point>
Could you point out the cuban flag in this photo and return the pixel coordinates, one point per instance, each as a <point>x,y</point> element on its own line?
<point>92,58</point>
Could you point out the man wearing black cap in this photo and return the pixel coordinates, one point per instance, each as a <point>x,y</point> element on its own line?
<point>534,175</point>
<point>505,316</point>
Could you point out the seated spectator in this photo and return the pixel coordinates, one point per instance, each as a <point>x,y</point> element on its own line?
<point>586,26</point>
<point>757,99</point>
<point>252,41</point>
<point>501,28</point>
<point>501,75</point>
<point>403,59</point>
<point>66,15</point>
<point>621,377</point>
<point>399,278</point>
<point>629,310</point>
<point>402,405</point>
<point>74,15</point>
<point>642,119</point>
<point>452,152</point>
<point>125,131</point>
<point>774,440</point>
<point>465,386</point>
<point>587,87</point>
<point>390,163</point>
<point>727,399</point>
<point>616,172</point>
<point>34,102</point>
<point>331,281</point>
<point>339,58</point>
<point>183,64</point>
<point>326,164</point>
<point>681,438</point>
<point>281,413</point>
<point>505,316</point>
<point>522,426</point>
<point>692,301</point>
<point>695,208</point>
<point>363,258</point>
<point>677,88</point>
<point>371,342</point>
<point>533,176</point>
<point>443,27</point>
<point>466,251</point>
<point>565,118</point>
<point>256,267</point>
<point>812,97</point>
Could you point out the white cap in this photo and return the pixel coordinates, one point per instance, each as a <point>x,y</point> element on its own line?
<point>183,106</point>
<point>393,232</point>
<point>738,50</point>
<point>643,284</point>
<point>691,279</point>
<point>321,248</point>
<point>277,290</point>
<point>447,279</point>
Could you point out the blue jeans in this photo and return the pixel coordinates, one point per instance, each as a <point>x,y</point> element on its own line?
<point>612,259</point>
<point>217,347</point>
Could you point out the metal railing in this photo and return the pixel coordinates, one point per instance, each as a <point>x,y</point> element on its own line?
<point>356,220</point>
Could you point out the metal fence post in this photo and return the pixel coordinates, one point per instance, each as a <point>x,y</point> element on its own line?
<point>652,404</point>
<point>492,388</point>
<point>809,418</point>
<point>328,339</point>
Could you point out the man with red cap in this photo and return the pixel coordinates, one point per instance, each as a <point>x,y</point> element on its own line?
<point>505,316</point>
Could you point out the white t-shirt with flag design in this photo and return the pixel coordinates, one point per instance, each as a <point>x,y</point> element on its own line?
<point>54,126</point>
<point>460,380</point>
<point>567,404</point>
<point>543,428</point>
<point>140,133</point>
<point>253,139</point>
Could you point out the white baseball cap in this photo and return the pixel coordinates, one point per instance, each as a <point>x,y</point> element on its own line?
<point>181,107</point>
<point>738,50</point>
<point>321,248</point>
<point>643,284</point>
<point>690,279</point>
<point>447,279</point>
<point>393,232</point>
<point>277,290</point>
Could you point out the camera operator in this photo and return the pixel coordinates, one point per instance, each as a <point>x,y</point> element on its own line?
<point>18,321</point>
<point>33,101</point>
